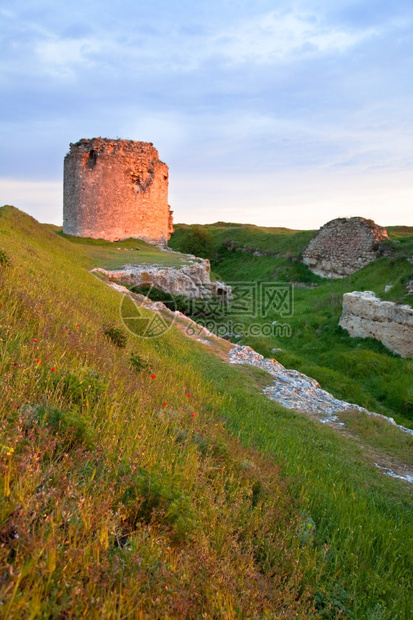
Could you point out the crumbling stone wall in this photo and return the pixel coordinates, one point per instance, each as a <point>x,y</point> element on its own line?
<point>192,280</point>
<point>343,246</point>
<point>366,316</point>
<point>114,189</point>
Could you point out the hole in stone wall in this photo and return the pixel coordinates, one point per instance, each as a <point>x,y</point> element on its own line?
<point>92,159</point>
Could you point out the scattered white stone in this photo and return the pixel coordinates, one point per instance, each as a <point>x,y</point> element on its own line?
<point>118,287</point>
<point>392,474</point>
<point>291,388</point>
<point>296,391</point>
<point>332,418</point>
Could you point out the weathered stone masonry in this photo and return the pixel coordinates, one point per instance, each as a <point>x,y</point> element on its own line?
<point>114,189</point>
<point>343,246</point>
<point>366,316</point>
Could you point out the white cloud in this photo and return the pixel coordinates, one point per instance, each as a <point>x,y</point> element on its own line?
<point>270,38</point>
<point>278,37</point>
<point>60,57</point>
<point>234,96</point>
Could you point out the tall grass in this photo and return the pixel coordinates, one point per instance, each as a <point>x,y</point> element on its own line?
<point>122,493</point>
<point>174,491</point>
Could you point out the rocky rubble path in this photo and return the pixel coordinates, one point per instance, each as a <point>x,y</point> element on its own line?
<point>296,391</point>
<point>290,388</point>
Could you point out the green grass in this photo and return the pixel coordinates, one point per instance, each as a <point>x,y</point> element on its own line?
<point>336,485</point>
<point>361,371</point>
<point>380,434</point>
<point>110,255</point>
<point>122,496</point>
<point>280,241</point>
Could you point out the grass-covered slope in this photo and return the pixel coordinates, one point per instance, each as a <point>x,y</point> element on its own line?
<point>149,479</point>
<point>122,494</point>
<point>276,241</point>
<point>362,371</point>
<point>110,255</point>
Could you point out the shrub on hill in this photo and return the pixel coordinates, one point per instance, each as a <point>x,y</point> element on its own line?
<point>199,241</point>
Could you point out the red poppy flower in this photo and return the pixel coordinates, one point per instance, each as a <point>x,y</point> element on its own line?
<point>35,340</point>
<point>188,396</point>
<point>153,376</point>
<point>192,415</point>
<point>164,404</point>
<point>53,369</point>
<point>38,361</point>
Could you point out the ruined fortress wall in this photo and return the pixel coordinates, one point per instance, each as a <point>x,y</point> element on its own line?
<point>343,246</point>
<point>114,189</point>
<point>366,316</point>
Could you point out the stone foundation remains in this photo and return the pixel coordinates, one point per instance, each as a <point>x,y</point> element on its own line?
<point>191,280</point>
<point>115,189</point>
<point>343,246</point>
<point>366,316</point>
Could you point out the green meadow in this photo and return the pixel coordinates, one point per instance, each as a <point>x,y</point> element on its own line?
<point>361,371</point>
<point>148,478</point>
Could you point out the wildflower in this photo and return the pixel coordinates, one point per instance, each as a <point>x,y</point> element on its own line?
<point>78,324</point>
<point>164,404</point>
<point>53,369</point>
<point>7,449</point>
<point>188,396</point>
<point>35,340</point>
<point>38,362</point>
<point>153,376</point>
<point>192,415</point>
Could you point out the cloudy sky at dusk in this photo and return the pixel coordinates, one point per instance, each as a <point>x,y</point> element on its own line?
<point>274,113</point>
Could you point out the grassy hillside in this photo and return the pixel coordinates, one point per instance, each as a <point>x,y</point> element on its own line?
<point>359,370</point>
<point>275,240</point>
<point>150,479</point>
<point>101,253</point>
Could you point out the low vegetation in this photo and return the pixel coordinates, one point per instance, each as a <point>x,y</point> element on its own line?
<point>362,371</point>
<point>153,480</point>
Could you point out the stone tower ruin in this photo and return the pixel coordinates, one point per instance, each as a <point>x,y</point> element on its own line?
<point>343,246</point>
<point>115,189</point>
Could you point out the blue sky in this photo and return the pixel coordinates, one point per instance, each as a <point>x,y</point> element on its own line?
<point>274,113</point>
